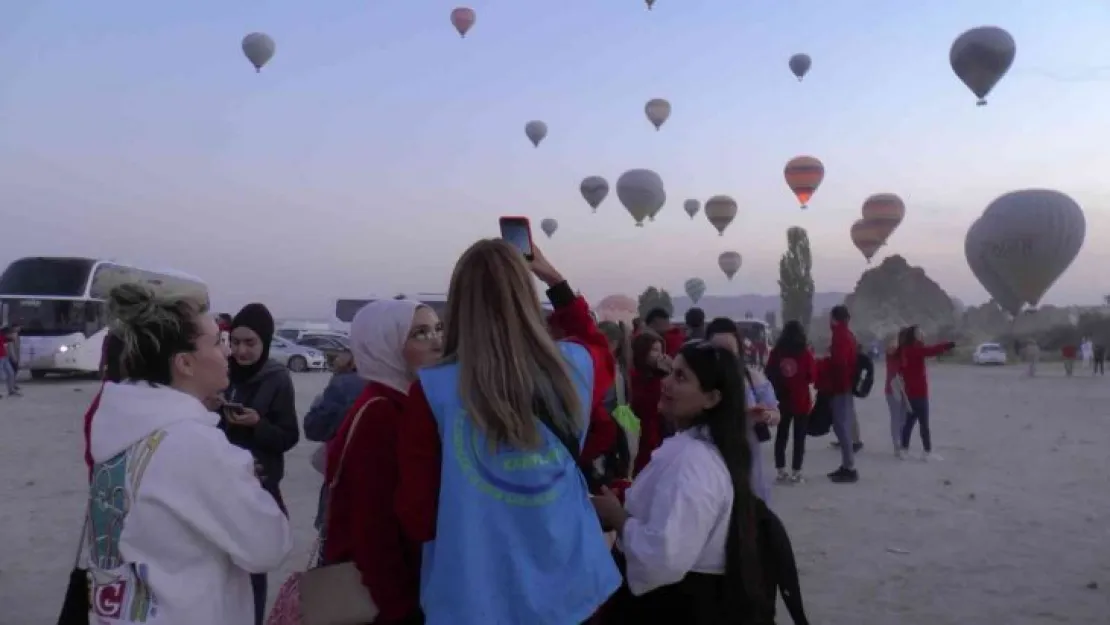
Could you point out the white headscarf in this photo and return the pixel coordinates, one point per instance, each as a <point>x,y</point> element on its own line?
<point>378,335</point>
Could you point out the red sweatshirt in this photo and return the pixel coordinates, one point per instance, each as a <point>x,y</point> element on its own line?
<point>417,499</point>
<point>797,372</point>
<point>912,366</point>
<point>362,525</point>
<point>841,362</point>
<point>646,387</point>
<point>673,340</point>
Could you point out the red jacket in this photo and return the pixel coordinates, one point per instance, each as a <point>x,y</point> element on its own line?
<point>417,498</point>
<point>795,373</point>
<point>841,363</point>
<point>646,387</point>
<point>1068,352</point>
<point>911,364</point>
<point>673,340</point>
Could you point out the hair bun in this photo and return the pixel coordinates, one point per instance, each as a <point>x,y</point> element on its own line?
<point>132,304</point>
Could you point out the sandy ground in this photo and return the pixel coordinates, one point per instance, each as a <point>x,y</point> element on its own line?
<point>1011,526</point>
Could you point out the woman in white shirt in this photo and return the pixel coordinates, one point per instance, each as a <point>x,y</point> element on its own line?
<point>688,527</point>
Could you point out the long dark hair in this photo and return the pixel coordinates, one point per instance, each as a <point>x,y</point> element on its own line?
<point>907,336</point>
<point>717,369</point>
<point>793,338</point>
<point>641,347</point>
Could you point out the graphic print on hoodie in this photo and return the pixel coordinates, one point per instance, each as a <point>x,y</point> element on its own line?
<point>177,518</point>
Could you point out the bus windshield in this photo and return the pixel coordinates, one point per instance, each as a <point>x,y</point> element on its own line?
<point>45,277</point>
<point>51,317</point>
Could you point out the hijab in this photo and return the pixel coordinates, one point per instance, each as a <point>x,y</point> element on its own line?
<point>258,318</point>
<point>378,335</point>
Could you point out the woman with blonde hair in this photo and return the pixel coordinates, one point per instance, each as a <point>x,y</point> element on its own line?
<point>177,516</point>
<point>491,441</point>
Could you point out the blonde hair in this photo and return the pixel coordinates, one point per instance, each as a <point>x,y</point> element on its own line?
<point>151,329</point>
<point>508,364</point>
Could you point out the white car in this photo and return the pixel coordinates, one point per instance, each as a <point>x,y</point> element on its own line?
<point>297,357</point>
<point>989,354</point>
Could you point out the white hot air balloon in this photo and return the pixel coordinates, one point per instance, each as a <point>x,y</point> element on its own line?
<point>691,207</point>
<point>720,210</point>
<point>594,190</point>
<point>695,288</point>
<point>549,226</point>
<point>641,192</point>
<point>535,130</point>
<point>657,111</point>
<point>730,262</point>
<point>975,251</point>
<point>259,49</point>
<point>1029,238</point>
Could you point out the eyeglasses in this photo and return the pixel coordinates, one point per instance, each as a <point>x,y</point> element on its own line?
<point>427,334</point>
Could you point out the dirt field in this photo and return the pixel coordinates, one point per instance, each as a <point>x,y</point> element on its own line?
<point>1010,526</point>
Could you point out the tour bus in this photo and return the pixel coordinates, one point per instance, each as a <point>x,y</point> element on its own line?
<point>60,305</point>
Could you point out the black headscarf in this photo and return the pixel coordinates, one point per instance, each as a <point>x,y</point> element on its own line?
<point>258,318</point>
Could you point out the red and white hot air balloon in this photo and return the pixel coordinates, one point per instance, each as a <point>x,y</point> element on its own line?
<point>463,19</point>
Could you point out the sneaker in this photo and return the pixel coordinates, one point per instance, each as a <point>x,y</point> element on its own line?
<point>835,444</point>
<point>796,478</point>
<point>856,447</point>
<point>903,453</point>
<point>844,476</point>
<point>783,475</point>
<point>15,394</point>
<point>928,456</point>
<point>897,450</point>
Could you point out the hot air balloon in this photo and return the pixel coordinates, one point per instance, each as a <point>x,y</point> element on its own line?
<point>975,253</point>
<point>799,65</point>
<point>259,49</point>
<point>657,111</point>
<point>720,210</point>
<point>981,57</point>
<point>462,19</point>
<point>803,175</point>
<point>618,308</point>
<point>535,130</point>
<point>695,288</point>
<point>730,262</point>
<point>1029,238</point>
<point>867,237</point>
<point>594,190</point>
<point>549,226</point>
<point>885,211</point>
<point>642,193</point>
<point>691,207</point>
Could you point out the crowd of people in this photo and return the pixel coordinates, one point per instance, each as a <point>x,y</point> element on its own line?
<point>498,466</point>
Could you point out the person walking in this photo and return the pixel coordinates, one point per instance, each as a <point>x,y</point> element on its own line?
<point>792,369</point>
<point>841,367</point>
<point>911,353</point>
<point>1068,352</point>
<point>1099,358</point>
<point>1032,355</point>
<point>6,370</point>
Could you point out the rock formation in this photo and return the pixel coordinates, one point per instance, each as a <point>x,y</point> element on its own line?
<point>894,295</point>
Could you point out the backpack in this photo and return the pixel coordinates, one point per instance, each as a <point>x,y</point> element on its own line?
<point>864,377</point>
<point>820,418</point>
<point>780,570</point>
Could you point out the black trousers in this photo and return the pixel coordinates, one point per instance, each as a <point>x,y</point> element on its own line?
<point>783,434</point>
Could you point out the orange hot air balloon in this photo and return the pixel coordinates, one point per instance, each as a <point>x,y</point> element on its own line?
<point>868,237</point>
<point>803,175</point>
<point>462,19</point>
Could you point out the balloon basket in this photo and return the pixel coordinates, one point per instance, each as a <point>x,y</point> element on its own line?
<point>981,103</point>
<point>639,224</point>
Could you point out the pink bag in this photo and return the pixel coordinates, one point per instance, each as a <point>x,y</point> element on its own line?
<point>287,607</point>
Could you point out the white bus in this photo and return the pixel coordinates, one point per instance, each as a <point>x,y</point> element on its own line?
<point>60,305</point>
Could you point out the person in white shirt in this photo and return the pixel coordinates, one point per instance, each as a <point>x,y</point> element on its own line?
<point>177,519</point>
<point>687,529</point>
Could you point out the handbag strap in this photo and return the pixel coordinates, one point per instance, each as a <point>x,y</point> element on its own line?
<point>347,444</point>
<point>81,541</point>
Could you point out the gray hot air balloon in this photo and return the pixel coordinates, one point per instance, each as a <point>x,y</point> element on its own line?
<point>657,111</point>
<point>975,251</point>
<point>549,226</point>
<point>695,288</point>
<point>981,57</point>
<point>259,49</point>
<point>730,262</point>
<point>641,192</point>
<point>594,190</point>
<point>720,210</point>
<point>799,65</point>
<point>691,207</point>
<point>535,130</point>
<point>1029,239</point>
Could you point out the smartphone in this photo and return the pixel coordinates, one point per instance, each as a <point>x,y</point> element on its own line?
<point>518,232</point>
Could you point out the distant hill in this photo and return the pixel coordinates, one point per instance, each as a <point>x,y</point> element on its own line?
<point>736,306</point>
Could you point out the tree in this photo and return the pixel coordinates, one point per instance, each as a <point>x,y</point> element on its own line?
<point>796,278</point>
<point>653,298</point>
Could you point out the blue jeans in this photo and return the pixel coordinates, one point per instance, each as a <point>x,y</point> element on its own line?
<point>898,410</point>
<point>8,373</point>
<point>843,417</point>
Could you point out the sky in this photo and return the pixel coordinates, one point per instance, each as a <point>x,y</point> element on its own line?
<point>377,144</point>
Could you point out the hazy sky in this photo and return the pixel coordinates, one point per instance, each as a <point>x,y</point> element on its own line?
<point>378,144</point>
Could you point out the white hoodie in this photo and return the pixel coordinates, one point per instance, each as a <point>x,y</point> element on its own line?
<point>177,518</point>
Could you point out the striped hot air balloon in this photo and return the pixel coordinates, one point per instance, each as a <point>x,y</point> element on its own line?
<point>803,175</point>
<point>884,210</point>
<point>867,237</point>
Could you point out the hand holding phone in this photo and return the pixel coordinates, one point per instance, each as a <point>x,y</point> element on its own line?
<point>518,232</point>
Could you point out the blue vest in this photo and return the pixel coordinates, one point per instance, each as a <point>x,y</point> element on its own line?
<point>517,539</point>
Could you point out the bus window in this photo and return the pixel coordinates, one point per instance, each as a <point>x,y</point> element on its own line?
<point>60,277</point>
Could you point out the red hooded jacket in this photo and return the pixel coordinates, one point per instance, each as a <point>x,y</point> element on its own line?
<point>841,362</point>
<point>673,340</point>
<point>795,373</point>
<point>911,364</point>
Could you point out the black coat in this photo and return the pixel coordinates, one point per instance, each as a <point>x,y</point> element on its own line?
<point>269,393</point>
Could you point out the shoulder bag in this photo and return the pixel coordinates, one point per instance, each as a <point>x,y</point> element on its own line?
<point>332,594</point>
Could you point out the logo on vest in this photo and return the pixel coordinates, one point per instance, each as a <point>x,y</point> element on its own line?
<point>519,478</point>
